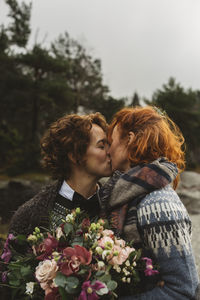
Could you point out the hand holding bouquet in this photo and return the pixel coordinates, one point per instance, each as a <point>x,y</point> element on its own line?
<point>78,260</point>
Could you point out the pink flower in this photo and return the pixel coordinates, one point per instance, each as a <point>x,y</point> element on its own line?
<point>123,254</point>
<point>106,242</point>
<point>109,233</point>
<point>120,243</point>
<point>46,272</point>
<point>149,267</point>
<point>74,258</point>
<point>6,256</point>
<point>89,290</point>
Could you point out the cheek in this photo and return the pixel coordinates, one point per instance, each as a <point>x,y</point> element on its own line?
<point>103,157</point>
<point>113,149</point>
<point>100,156</point>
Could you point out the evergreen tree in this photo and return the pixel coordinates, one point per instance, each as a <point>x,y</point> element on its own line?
<point>83,73</point>
<point>183,107</point>
<point>135,100</point>
<point>38,85</point>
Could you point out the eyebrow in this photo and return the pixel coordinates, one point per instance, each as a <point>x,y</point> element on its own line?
<point>102,141</point>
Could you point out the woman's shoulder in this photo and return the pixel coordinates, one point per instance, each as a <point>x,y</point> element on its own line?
<point>164,195</point>
<point>33,210</point>
<point>163,205</point>
<point>42,198</point>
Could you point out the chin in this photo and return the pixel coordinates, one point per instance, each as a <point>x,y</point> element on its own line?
<point>108,173</point>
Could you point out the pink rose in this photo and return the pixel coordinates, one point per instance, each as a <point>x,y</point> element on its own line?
<point>46,272</point>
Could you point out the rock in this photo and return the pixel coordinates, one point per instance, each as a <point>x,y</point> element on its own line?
<point>13,194</point>
<point>189,191</point>
<point>196,239</point>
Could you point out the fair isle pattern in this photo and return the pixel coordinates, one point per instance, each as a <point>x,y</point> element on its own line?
<point>165,223</point>
<point>57,215</point>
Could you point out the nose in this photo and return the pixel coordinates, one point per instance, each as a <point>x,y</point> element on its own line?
<point>108,149</point>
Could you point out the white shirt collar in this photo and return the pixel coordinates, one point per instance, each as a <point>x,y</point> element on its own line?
<point>66,191</point>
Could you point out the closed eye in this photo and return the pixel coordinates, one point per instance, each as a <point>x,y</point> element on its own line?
<point>102,147</point>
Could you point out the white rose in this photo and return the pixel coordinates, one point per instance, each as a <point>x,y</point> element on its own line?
<point>29,288</point>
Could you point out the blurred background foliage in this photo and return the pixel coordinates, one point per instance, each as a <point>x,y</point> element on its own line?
<point>39,84</point>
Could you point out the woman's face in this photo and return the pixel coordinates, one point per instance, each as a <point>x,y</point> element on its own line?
<point>97,161</point>
<point>119,151</point>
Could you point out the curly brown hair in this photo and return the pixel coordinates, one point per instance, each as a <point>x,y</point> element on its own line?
<point>68,135</point>
<point>155,135</point>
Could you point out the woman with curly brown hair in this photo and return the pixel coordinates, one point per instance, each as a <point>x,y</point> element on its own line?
<point>75,151</point>
<point>147,152</point>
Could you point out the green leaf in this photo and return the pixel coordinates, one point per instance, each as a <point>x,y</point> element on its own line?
<point>26,271</point>
<point>15,282</point>
<point>14,275</point>
<point>100,273</point>
<point>68,228</point>
<point>112,285</point>
<point>78,240</point>
<point>102,291</point>
<point>139,253</point>
<point>63,293</point>
<point>82,271</point>
<point>60,279</point>
<point>72,285</point>
<point>105,278</point>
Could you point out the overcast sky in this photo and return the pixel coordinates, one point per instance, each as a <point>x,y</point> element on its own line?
<point>141,43</point>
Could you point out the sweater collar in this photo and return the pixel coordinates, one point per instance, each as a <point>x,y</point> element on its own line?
<point>137,182</point>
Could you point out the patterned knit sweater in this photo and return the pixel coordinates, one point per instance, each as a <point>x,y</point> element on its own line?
<point>158,221</point>
<point>166,229</point>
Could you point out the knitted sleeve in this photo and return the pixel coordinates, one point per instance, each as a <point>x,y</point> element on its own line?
<point>33,212</point>
<point>166,228</point>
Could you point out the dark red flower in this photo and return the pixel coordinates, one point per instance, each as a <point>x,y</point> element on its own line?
<point>47,247</point>
<point>85,224</point>
<point>74,258</point>
<point>53,295</point>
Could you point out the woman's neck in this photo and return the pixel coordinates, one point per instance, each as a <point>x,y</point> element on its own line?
<point>85,186</point>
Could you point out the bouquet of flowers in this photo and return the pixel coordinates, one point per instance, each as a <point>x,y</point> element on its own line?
<point>77,260</point>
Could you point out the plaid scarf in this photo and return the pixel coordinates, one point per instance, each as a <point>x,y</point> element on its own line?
<point>121,194</point>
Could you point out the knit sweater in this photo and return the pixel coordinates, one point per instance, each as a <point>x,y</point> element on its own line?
<point>48,206</point>
<point>159,222</point>
<point>166,229</point>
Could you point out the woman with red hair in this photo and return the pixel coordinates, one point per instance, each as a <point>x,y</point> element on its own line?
<point>147,153</point>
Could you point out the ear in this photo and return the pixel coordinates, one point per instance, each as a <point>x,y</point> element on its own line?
<point>72,158</point>
<point>131,137</point>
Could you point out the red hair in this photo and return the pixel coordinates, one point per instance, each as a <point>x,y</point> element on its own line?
<point>155,135</point>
